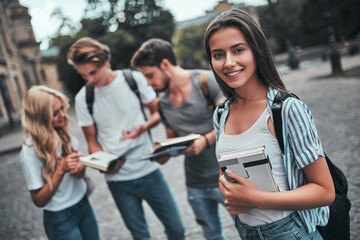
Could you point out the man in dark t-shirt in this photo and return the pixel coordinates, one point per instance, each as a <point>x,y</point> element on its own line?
<point>185,110</point>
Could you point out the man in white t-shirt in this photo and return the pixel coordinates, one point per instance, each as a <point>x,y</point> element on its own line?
<point>117,112</point>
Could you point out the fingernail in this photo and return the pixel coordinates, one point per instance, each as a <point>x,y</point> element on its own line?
<point>227,171</point>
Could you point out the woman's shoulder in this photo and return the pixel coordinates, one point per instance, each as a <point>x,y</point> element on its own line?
<point>28,151</point>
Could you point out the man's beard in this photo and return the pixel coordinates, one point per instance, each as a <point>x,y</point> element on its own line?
<point>166,87</point>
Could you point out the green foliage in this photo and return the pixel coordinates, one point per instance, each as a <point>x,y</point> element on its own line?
<point>307,22</point>
<point>93,27</point>
<point>145,19</point>
<point>318,15</point>
<point>281,23</point>
<point>72,81</point>
<point>124,25</point>
<point>122,46</point>
<point>190,50</point>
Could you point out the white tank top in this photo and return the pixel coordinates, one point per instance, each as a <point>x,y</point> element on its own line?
<point>256,136</point>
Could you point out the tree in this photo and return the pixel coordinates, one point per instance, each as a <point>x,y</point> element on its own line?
<point>93,27</point>
<point>281,23</point>
<point>190,50</point>
<point>122,46</point>
<point>146,19</point>
<point>65,22</point>
<point>67,74</point>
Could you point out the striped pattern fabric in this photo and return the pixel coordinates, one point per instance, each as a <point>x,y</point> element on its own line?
<point>302,147</point>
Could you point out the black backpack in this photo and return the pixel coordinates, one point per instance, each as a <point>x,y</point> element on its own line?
<point>133,86</point>
<point>338,226</point>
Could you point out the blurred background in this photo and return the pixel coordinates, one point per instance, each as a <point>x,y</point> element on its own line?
<point>297,30</point>
<point>316,44</point>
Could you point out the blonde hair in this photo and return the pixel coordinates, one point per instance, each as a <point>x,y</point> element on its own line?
<point>37,123</point>
<point>88,50</point>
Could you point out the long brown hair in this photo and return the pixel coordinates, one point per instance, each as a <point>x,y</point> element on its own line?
<point>266,68</point>
<point>37,123</point>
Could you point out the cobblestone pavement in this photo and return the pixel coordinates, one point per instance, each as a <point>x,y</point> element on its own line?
<point>334,103</point>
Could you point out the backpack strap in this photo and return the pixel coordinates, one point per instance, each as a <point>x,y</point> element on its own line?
<point>129,78</point>
<point>90,97</point>
<point>220,109</point>
<point>204,87</point>
<point>133,86</point>
<point>279,99</point>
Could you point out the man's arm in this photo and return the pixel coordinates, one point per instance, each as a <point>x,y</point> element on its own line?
<point>154,118</point>
<point>90,136</point>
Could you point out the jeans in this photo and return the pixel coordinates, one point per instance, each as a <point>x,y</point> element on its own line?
<point>128,196</point>
<point>288,228</point>
<point>205,202</point>
<point>76,223</point>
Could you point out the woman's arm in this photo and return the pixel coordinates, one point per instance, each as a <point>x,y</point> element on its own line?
<point>318,192</point>
<point>43,195</point>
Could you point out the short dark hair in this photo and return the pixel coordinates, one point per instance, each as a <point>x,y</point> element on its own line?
<point>152,52</point>
<point>266,68</point>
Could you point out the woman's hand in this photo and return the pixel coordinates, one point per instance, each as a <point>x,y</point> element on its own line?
<point>240,196</point>
<point>71,163</point>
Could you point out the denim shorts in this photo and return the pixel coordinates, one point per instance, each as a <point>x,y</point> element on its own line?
<point>287,228</point>
<point>75,222</point>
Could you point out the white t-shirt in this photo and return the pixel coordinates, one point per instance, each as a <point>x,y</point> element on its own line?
<point>116,108</point>
<point>256,136</point>
<point>71,189</point>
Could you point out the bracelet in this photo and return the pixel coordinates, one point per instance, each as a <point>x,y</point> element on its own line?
<point>207,141</point>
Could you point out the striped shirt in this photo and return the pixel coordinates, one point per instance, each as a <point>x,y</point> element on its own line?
<point>302,147</point>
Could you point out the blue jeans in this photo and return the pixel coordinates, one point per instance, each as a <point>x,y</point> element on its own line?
<point>288,228</point>
<point>205,202</point>
<point>76,222</point>
<point>128,196</point>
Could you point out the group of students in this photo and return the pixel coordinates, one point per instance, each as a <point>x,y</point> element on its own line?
<point>244,72</point>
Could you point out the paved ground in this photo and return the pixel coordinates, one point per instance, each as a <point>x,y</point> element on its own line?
<point>335,106</point>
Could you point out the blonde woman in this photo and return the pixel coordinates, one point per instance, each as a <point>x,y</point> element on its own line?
<point>51,166</point>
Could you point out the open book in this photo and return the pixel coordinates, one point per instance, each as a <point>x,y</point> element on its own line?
<point>100,160</point>
<point>171,146</point>
<point>252,164</point>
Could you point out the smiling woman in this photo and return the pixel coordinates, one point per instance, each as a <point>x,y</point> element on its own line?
<point>241,61</point>
<point>50,164</point>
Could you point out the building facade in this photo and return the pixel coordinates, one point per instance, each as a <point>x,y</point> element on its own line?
<point>20,60</point>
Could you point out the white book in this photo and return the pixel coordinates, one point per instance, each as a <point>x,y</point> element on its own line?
<point>252,164</point>
<point>103,161</point>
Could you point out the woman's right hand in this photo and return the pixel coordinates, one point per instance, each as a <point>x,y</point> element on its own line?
<point>239,195</point>
<point>71,162</point>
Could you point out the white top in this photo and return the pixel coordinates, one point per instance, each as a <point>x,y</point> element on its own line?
<point>302,146</point>
<point>256,136</point>
<point>116,109</point>
<point>71,189</point>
